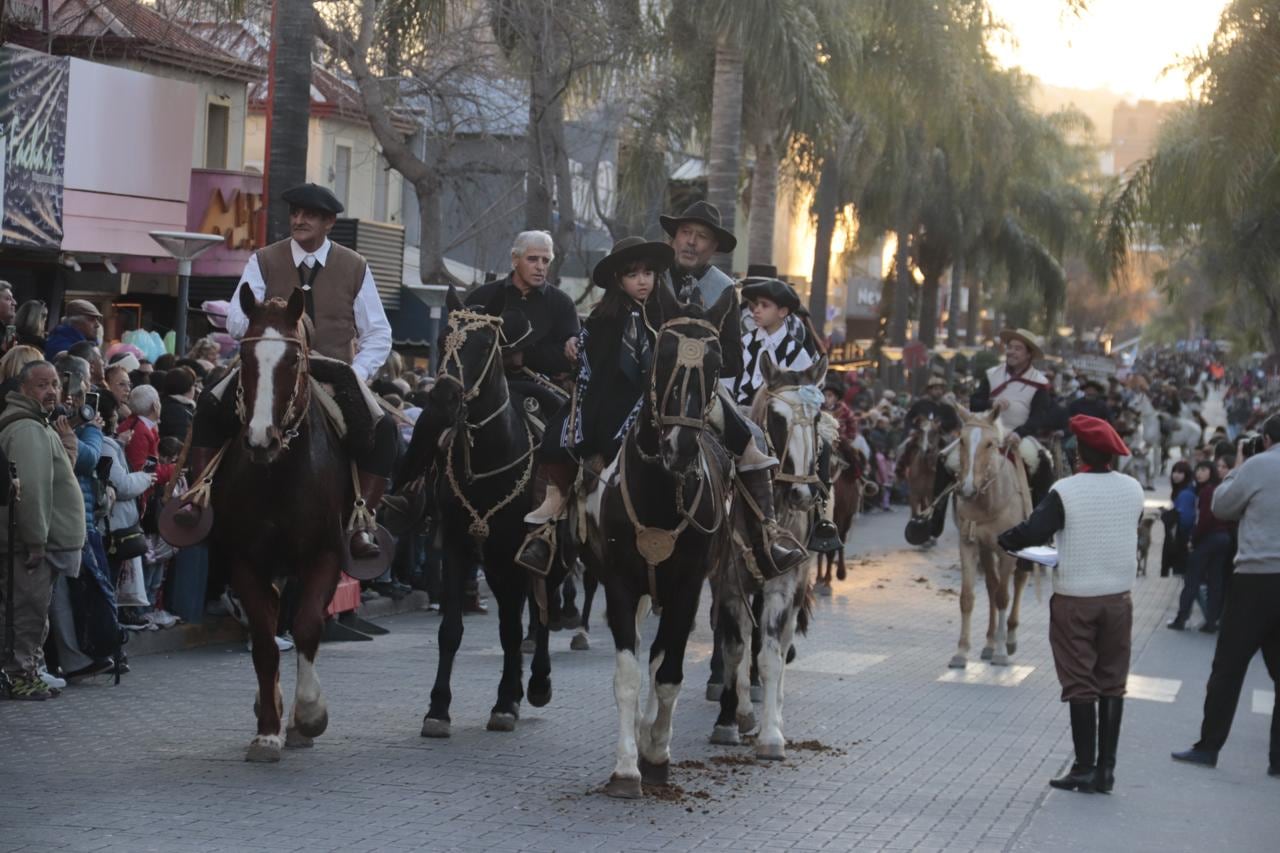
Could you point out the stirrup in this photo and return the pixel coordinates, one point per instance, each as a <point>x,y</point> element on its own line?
<point>538,550</point>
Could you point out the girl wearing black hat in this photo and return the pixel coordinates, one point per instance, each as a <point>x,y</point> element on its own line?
<point>615,349</point>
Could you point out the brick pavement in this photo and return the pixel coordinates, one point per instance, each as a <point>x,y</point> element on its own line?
<point>915,763</point>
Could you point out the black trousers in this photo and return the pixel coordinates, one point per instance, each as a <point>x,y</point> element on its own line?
<point>942,478</point>
<point>1250,622</point>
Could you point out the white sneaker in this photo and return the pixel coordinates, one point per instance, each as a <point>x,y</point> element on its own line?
<point>163,618</point>
<point>51,679</point>
<point>284,643</point>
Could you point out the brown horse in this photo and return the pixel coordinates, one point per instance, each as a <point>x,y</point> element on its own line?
<point>922,469</point>
<point>848,471</point>
<point>282,489</point>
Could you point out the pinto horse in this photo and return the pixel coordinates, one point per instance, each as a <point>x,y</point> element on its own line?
<point>281,494</point>
<point>787,408</point>
<point>481,449</point>
<point>655,523</point>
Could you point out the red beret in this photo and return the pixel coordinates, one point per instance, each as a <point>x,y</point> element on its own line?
<point>1098,435</point>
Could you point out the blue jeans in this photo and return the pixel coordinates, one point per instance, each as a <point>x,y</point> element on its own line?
<point>1207,565</point>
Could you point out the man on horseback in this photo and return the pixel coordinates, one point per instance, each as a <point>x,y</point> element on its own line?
<point>1023,400</point>
<point>348,334</point>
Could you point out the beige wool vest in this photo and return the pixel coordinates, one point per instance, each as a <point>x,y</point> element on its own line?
<point>1019,394</point>
<point>334,293</point>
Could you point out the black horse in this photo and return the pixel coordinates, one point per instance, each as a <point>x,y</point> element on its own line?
<point>655,522</point>
<point>481,450</point>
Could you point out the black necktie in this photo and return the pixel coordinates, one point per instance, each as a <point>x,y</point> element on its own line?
<point>306,278</point>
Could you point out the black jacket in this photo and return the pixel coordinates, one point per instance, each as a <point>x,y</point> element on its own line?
<point>551,315</point>
<point>175,417</point>
<point>608,396</point>
<point>1096,407</point>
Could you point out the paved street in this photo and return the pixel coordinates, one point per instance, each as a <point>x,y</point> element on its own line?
<point>902,755</point>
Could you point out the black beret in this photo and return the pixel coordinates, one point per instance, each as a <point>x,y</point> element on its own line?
<point>778,292</point>
<point>312,197</point>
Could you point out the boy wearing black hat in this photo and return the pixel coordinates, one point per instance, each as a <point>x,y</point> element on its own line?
<point>349,336</point>
<point>771,302</point>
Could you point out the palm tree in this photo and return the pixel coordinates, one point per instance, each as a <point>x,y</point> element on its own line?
<point>289,117</point>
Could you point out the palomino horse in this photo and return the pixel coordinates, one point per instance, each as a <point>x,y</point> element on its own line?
<point>922,470</point>
<point>849,487</point>
<point>281,494</point>
<point>991,497</point>
<point>654,524</point>
<point>482,451</point>
<point>787,408</point>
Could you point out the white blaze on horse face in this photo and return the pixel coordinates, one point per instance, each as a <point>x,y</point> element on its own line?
<point>975,438</point>
<point>267,352</point>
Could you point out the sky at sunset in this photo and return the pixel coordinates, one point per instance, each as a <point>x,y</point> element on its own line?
<point>1121,45</point>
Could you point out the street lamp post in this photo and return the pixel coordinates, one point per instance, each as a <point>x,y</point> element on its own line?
<point>185,247</point>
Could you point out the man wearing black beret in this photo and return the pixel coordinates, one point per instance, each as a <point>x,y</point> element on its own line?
<point>350,339</point>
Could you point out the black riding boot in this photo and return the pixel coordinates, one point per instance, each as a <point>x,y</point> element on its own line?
<point>1110,709</point>
<point>825,536</point>
<point>1084,733</point>
<point>772,557</point>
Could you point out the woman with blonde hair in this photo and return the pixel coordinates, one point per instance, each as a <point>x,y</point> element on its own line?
<point>11,365</point>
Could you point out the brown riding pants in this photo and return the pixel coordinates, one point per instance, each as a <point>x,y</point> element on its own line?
<point>1090,639</point>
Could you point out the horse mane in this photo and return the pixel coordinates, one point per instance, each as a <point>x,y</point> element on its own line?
<point>984,423</point>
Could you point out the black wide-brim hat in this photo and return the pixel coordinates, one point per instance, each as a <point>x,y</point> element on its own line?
<point>778,292</point>
<point>627,251</point>
<point>707,214</point>
<point>312,197</point>
<point>1091,382</point>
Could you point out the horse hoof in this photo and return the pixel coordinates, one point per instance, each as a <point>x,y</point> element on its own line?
<point>958,662</point>
<point>725,736</point>
<point>746,722</point>
<point>714,689</point>
<point>824,591</point>
<point>539,697</point>
<point>312,728</point>
<point>1012,647</point>
<point>757,693</point>
<point>431,727</point>
<point>528,647</point>
<point>987,653</point>
<point>500,722</point>
<point>265,748</point>
<point>771,751</point>
<point>623,787</point>
<point>294,739</point>
<point>654,774</point>
<point>580,643</point>
<point>999,660</point>
<point>841,574</point>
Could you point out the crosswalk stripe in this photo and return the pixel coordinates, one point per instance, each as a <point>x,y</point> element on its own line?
<point>1152,689</point>
<point>833,662</point>
<point>1263,701</point>
<point>987,675</point>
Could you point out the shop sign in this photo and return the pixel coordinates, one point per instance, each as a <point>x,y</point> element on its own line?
<point>236,219</point>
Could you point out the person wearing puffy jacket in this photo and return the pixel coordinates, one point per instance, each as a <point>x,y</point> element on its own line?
<point>125,487</point>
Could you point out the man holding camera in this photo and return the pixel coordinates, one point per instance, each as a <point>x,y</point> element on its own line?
<point>1251,619</point>
<point>50,517</point>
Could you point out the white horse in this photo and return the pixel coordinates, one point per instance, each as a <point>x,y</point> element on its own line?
<point>1185,434</point>
<point>1152,439</point>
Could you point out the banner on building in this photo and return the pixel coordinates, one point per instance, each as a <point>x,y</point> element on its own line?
<point>33,141</point>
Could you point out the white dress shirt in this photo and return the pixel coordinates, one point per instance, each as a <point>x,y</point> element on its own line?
<point>373,331</point>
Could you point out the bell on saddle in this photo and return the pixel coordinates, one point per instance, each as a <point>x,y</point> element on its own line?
<point>825,538</point>
<point>917,531</point>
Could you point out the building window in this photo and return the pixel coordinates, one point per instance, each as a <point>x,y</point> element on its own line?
<point>342,174</point>
<point>217,135</point>
<point>381,189</point>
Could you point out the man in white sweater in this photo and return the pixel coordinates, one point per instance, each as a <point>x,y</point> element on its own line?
<point>1093,516</point>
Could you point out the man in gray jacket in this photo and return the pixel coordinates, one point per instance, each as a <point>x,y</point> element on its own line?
<point>1251,619</point>
<point>50,518</point>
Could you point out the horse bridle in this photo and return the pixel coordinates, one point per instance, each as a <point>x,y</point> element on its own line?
<point>461,324</point>
<point>691,354</point>
<point>293,413</point>
<point>799,420</point>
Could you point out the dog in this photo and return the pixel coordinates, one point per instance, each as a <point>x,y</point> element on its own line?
<point>1144,542</point>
